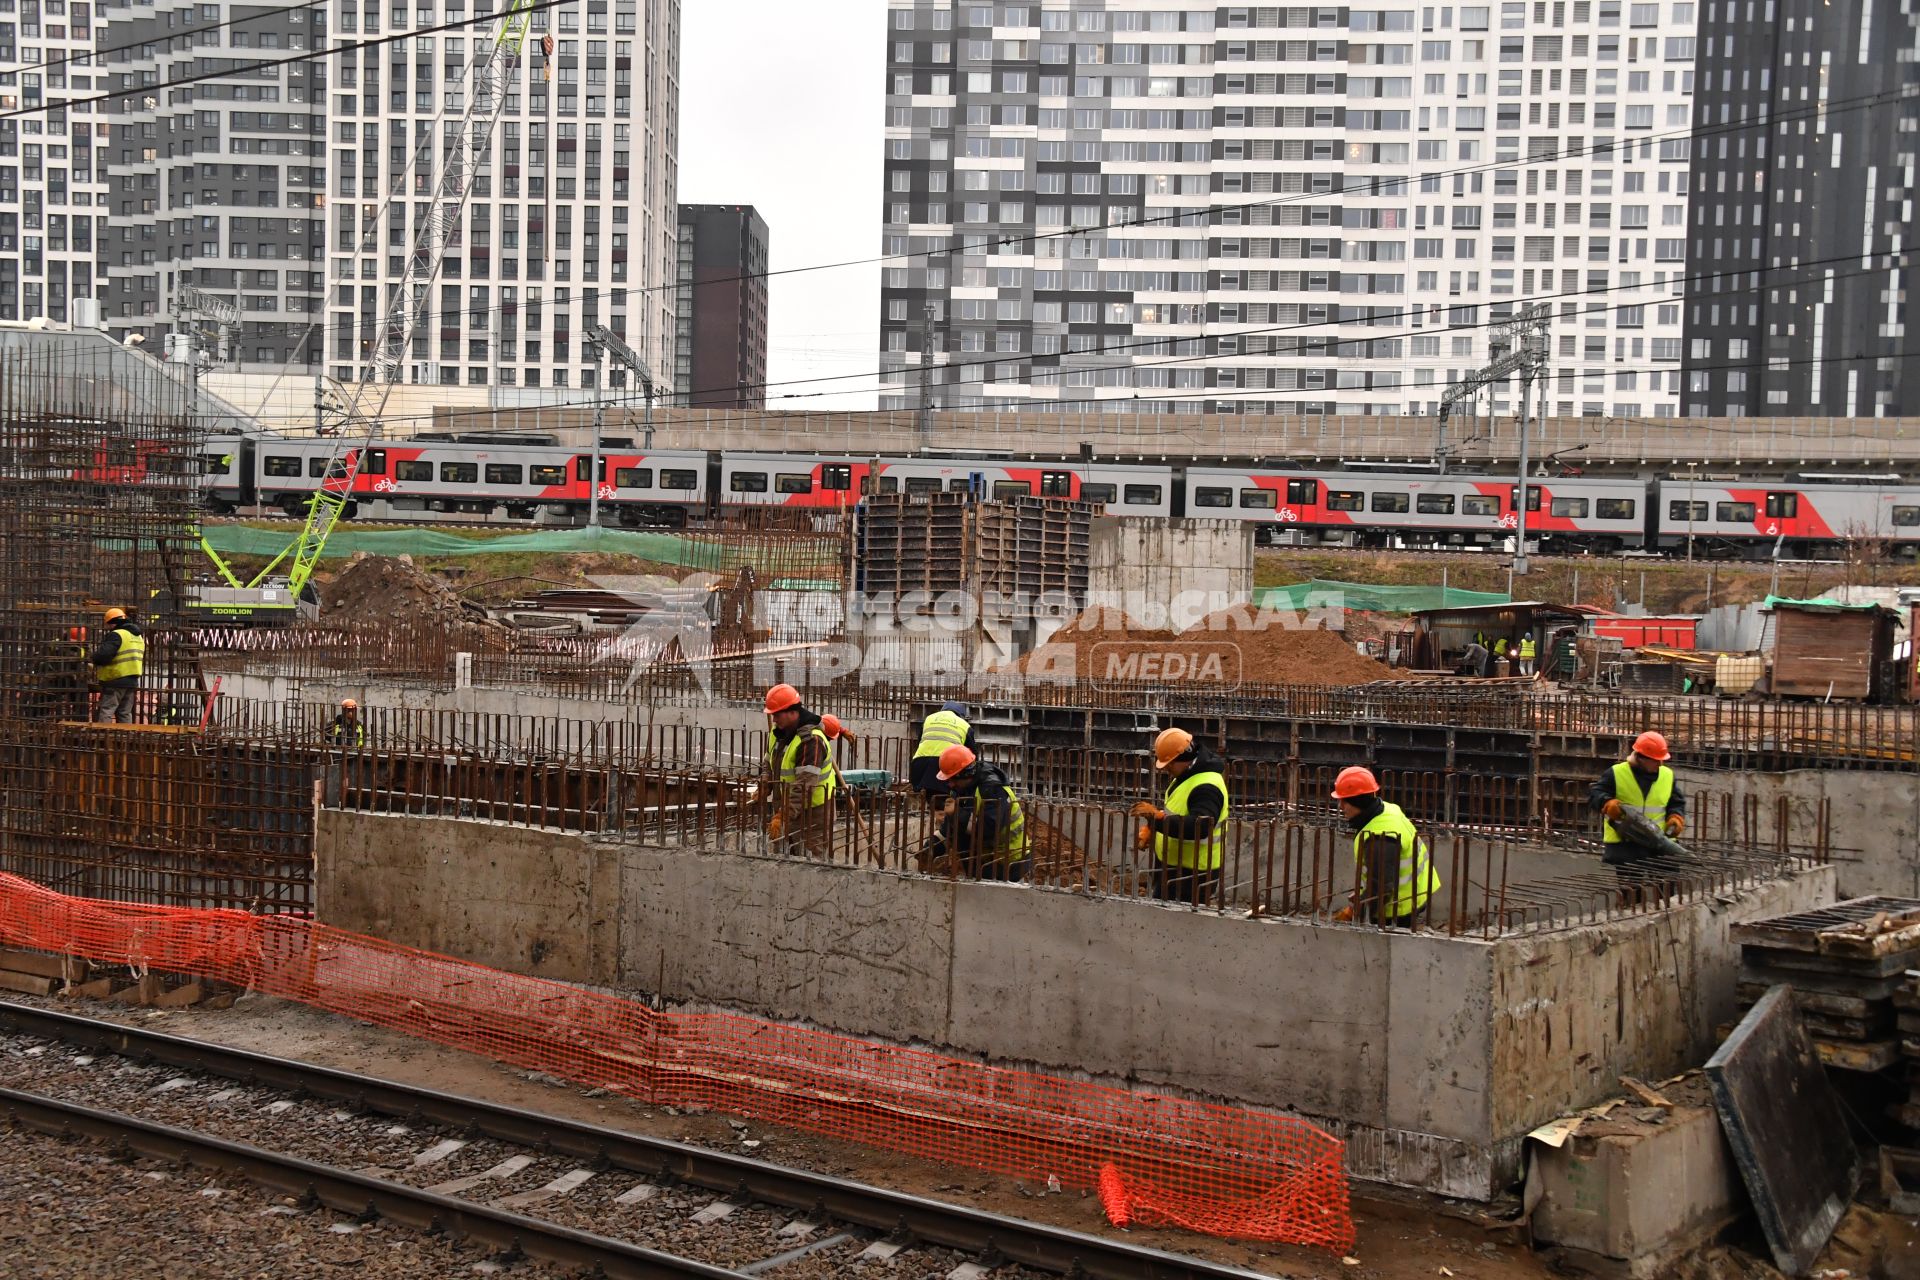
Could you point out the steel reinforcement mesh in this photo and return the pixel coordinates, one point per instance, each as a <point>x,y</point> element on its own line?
<point>1154,1160</point>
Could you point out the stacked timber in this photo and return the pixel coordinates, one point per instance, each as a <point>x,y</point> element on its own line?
<point>1906,1005</point>
<point>1846,964</point>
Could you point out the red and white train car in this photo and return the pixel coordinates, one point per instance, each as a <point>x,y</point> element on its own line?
<point>804,480</point>
<point>1805,519</point>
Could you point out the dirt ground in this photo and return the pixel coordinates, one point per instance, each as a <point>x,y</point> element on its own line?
<point>1399,1238</point>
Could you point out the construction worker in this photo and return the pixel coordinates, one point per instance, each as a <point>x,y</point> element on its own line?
<point>1473,660</point>
<point>985,826</point>
<point>118,662</point>
<point>1393,876</point>
<point>800,763</point>
<point>1527,654</point>
<point>346,729</point>
<point>1644,783</point>
<point>945,728</point>
<point>1189,835</point>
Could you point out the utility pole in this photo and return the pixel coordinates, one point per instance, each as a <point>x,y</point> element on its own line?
<point>926,376</point>
<point>1524,339</point>
<point>611,343</point>
<point>599,420</point>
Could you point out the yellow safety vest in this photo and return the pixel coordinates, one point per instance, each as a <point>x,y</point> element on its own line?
<point>1526,648</point>
<point>131,660</point>
<point>1201,855</point>
<point>1416,880</point>
<point>1626,789</point>
<point>786,767</point>
<point>342,734</point>
<point>939,731</point>
<point>1013,832</point>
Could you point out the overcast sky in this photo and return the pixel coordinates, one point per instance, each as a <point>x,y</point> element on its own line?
<point>782,106</point>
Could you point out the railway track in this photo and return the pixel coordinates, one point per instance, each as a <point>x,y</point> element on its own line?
<point>572,1194</point>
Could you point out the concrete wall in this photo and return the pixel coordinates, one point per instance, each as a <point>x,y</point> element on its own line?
<point>1874,818</point>
<point>1151,567</point>
<point>1431,1055</point>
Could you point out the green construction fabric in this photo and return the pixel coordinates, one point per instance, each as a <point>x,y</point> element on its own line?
<point>1322,593</point>
<point>662,548</point>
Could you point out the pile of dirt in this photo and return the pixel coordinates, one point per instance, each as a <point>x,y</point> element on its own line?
<point>1273,652</point>
<point>391,590</point>
<point>1085,646</point>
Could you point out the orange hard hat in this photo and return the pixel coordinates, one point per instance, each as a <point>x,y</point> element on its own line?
<point>954,761</point>
<point>1354,780</point>
<point>1651,745</point>
<point>781,697</point>
<point>348,704</point>
<point>1170,746</point>
<point>830,725</point>
<point>116,614</point>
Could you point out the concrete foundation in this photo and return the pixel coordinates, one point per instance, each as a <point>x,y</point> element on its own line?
<point>1433,1056</point>
<point>1170,573</point>
<point>1875,820</point>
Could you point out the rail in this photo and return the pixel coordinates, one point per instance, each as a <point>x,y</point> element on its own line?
<point>935,1222</point>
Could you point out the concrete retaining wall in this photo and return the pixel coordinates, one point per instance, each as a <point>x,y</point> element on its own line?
<point>1148,567</point>
<point>1431,1055</point>
<point>1875,820</point>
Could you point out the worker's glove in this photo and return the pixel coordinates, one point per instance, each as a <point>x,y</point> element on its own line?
<point>1146,809</point>
<point>1613,809</point>
<point>777,827</point>
<point>1343,916</point>
<point>1143,837</point>
<point>1675,824</point>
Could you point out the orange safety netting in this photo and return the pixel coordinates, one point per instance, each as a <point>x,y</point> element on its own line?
<point>1154,1160</point>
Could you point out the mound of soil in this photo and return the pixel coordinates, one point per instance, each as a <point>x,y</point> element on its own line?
<point>1236,645</point>
<point>1272,652</point>
<point>391,590</point>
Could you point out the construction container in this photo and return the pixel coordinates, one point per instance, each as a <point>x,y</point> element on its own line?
<point>1832,651</point>
<point>1733,676</point>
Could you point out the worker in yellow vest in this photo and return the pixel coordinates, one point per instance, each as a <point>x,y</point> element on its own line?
<point>118,661</point>
<point>1527,654</point>
<point>947,727</point>
<point>1393,877</point>
<point>1188,828</point>
<point>985,828</point>
<point>800,768</point>
<point>1644,783</point>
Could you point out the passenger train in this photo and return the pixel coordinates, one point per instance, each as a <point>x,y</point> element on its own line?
<point>535,478</point>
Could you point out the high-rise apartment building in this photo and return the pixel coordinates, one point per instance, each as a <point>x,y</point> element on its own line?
<point>53,205</point>
<point>720,353</point>
<point>1803,174</point>
<point>216,186</point>
<point>1166,206</point>
<point>571,218</point>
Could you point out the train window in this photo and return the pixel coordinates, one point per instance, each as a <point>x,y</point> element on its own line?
<point>581,466</point>
<point>1733,512</point>
<point>1258,499</point>
<point>792,483</point>
<point>837,478</point>
<point>374,462</point>
<point>280,465</point>
<point>1302,493</point>
<point>1142,495</point>
<point>215,464</point>
<point>1574,508</point>
<point>1056,484</point>
<point>748,482</point>
<point>923,484</point>
<point>1212,497</point>
<point>1613,508</point>
<point>1434,504</point>
<point>414,471</point>
<point>1099,492</point>
<point>316,467</point>
<point>1686,511</point>
<point>1479,504</point>
<point>1783,506</point>
<point>1533,495</point>
<point>633,477</point>
<point>459,472</point>
<point>1906,517</point>
<point>683,479</point>
<point>549,475</point>
<point>959,485</point>
<point>1345,500</point>
<point>1390,502</point>
<point>1004,489</point>
<point>505,473</point>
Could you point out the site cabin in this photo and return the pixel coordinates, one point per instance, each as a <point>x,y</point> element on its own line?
<point>1440,636</point>
<point>1833,651</point>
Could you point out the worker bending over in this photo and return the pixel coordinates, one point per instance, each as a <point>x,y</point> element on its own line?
<point>118,662</point>
<point>1645,784</point>
<point>346,729</point>
<point>800,765</point>
<point>945,728</point>
<point>985,826</point>
<point>1393,876</point>
<point>1188,834</point>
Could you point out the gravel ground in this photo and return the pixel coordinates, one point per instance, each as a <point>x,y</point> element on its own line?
<point>69,1211</point>
<point>674,1219</point>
